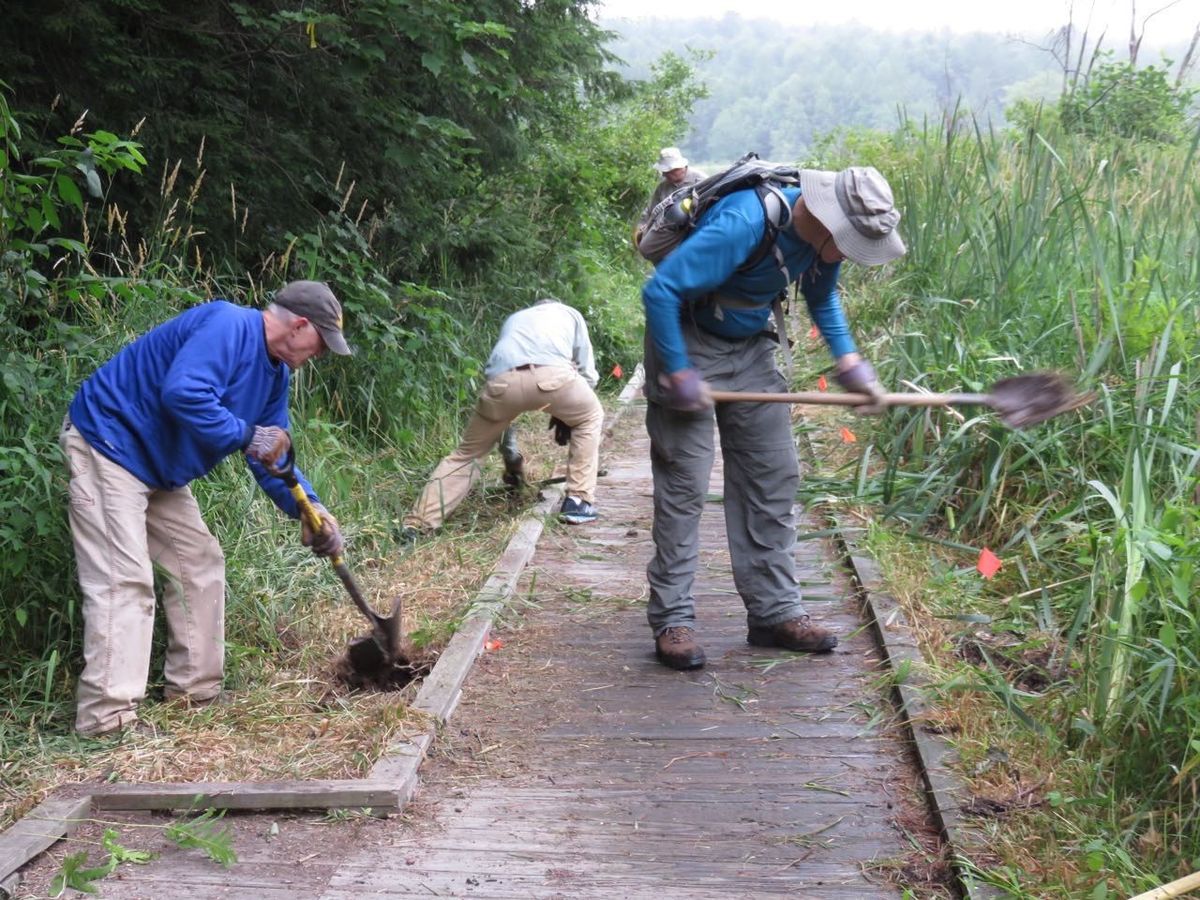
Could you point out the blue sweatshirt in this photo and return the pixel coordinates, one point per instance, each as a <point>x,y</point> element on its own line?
<point>707,262</point>
<point>178,400</point>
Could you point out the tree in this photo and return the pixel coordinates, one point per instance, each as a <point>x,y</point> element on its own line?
<point>1119,99</point>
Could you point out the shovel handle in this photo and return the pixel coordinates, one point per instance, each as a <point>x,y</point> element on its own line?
<point>286,470</point>
<point>821,398</point>
<point>339,566</point>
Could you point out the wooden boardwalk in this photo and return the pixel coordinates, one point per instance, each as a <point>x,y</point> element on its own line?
<point>577,766</point>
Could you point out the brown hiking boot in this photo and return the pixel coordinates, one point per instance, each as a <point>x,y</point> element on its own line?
<point>676,648</point>
<point>795,634</point>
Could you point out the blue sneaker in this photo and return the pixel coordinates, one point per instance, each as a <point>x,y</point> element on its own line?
<point>577,512</point>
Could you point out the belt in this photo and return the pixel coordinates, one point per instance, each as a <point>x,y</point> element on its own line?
<point>525,367</point>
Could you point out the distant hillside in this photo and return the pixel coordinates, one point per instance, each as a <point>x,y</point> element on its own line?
<point>774,87</point>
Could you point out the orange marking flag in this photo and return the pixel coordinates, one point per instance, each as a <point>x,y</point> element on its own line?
<point>989,563</point>
<point>822,384</point>
<point>848,436</point>
<point>617,373</point>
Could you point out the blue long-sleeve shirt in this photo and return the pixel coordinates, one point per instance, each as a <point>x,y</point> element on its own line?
<point>170,406</point>
<point>707,262</point>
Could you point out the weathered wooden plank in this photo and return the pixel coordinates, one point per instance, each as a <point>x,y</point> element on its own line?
<point>698,729</point>
<point>576,878</point>
<point>839,844</point>
<point>501,889</point>
<point>342,794</point>
<point>40,828</point>
<point>204,878</point>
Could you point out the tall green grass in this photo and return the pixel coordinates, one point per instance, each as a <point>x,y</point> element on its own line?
<point>1031,251</point>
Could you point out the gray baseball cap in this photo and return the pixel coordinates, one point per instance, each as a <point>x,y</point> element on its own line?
<point>856,206</point>
<point>315,301</point>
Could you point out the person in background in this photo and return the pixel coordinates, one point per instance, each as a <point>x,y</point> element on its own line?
<point>210,382</point>
<point>543,359</point>
<point>676,173</point>
<point>707,323</point>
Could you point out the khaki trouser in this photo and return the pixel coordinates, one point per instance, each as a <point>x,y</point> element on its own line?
<point>559,390</point>
<point>122,528</point>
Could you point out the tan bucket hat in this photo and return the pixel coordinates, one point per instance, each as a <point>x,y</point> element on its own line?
<point>670,158</point>
<point>856,206</point>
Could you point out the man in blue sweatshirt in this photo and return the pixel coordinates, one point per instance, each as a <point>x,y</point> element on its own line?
<point>707,323</point>
<point>165,410</point>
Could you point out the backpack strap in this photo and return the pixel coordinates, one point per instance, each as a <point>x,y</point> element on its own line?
<point>777,214</point>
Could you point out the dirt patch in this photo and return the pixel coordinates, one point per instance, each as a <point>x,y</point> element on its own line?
<point>364,667</point>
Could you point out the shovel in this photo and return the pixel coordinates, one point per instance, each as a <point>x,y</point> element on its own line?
<point>1020,401</point>
<point>371,657</point>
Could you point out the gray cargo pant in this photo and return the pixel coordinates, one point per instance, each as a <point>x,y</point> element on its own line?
<point>761,478</point>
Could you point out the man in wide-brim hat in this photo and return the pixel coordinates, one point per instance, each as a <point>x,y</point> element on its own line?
<point>708,322</point>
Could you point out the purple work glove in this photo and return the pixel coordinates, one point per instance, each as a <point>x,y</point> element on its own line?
<point>326,542</point>
<point>860,378</point>
<point>686,391</point>
<point>268,444</point>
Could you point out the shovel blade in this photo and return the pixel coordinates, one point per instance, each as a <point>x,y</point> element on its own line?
<point>367,659</point>
<point>1025,400</point>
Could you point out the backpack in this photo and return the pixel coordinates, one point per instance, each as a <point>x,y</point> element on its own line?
<point>676,215</point>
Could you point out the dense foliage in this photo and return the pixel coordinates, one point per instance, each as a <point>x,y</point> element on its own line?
<point>412,101</point>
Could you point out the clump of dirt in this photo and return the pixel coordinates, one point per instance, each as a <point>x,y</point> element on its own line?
<point>363,667</point>
<point>1027,668</point>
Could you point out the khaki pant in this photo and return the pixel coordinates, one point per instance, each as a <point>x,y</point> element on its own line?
<point>122,528</point>
<point>559,390</point>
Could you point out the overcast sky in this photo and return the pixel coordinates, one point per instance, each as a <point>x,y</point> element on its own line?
<point>1175,23</point>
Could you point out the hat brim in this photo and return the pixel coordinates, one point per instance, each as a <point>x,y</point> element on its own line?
<point>820,196</point>
<point>663,168</point>
<point>334,340</point>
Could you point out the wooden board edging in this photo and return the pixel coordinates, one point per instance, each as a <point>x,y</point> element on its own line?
<point>251,795</point>
<point>38,830</point>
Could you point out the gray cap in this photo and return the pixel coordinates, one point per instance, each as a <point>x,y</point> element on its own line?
<point>315,301</point>
<point>856,206</point>
<point>670,158</point>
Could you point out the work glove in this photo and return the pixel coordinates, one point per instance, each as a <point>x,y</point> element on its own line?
<point>268,444</point>
<point>562,431</point>
<point>326,542</point>
<point>860,378</point>
<point>686,391</point>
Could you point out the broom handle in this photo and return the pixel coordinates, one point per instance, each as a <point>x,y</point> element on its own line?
<point>821,398</point>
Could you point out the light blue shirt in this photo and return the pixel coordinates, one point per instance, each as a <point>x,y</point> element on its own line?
<point>545,334</point>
